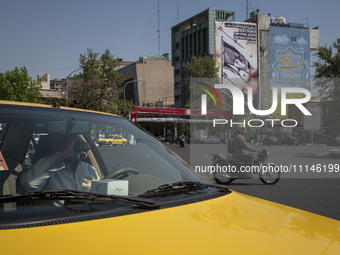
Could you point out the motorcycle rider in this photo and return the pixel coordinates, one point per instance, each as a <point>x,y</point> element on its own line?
<point>241,148</point>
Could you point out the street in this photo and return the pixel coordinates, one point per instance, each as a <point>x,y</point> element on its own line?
<point>311,192</point>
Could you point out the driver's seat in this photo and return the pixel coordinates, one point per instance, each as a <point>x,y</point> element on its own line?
<point>42,149</point>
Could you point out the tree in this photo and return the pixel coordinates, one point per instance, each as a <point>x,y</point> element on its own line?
<point>197,67</point>
<point>121,107</point>
<point>17,85</point>
<point>109,73</point>
<point>97,88</point>
<point>329,62</point>
<point>201,67</point>
<point>327,73</point>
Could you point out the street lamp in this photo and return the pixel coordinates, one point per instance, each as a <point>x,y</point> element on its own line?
<point>67,78</point>
<point>128,83</point>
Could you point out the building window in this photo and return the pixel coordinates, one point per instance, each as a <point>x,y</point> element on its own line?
<point>186,47</point>
<point>190,46</point>
<point>183,48</point>
<point>293,39</point>
<point>205,41</point>
<point>195,44</point>
<point>199,49</point>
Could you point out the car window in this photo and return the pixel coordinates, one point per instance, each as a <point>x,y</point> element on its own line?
<point>46,153</point>
<point>135,157</point>
<point>2,130</point>
<point>3,165</point>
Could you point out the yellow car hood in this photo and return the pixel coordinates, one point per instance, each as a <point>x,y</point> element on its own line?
<point>232,224</point>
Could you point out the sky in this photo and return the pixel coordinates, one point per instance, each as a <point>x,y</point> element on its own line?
<point>48,36</point>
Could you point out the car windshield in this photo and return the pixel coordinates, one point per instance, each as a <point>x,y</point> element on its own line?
<point>44,149</point>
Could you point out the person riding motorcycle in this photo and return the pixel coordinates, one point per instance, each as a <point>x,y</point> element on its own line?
<point>241,147</point>
<point>245,162</point>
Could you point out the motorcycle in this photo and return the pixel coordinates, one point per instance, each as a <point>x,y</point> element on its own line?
<point>227,168</point>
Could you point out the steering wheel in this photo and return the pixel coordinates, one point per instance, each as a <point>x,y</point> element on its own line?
<point>122,173</point>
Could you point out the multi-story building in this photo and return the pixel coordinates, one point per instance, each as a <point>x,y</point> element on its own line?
<point>149,82</point>
<point>53,88</point>
<point>257,43</point>
<point>193,37</point>
<point>283,54</point>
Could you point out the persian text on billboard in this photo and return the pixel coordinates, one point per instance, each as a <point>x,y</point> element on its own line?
<point>289,56</point>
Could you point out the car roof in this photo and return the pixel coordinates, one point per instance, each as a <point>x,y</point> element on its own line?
<point>4,102</point>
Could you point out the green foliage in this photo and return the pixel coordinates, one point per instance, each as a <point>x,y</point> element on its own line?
<point>201,67</point>
<point>98,87</point>
<point>109,73</point>
<point>90,65</point>
<point>329,61</point>
<point>197,67</point>
<point>17,85</point>
<point>121,107</point>
<point>327,73</point>
<point>92,94</point>
<point>54,101</point>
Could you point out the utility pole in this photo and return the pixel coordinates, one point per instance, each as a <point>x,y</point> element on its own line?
<point>159,33</point>
<point>177,12</point>
<point>67,84</point>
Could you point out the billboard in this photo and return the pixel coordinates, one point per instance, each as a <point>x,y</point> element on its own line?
<point>236,54</point>
<point>289,56</point>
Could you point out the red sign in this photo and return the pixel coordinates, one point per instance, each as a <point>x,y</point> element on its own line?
<point>176,112</point>
<point>3,165</point>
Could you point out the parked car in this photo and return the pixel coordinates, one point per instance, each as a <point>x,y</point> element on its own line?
<point>169,139</point>
<point>143,199</point>
<point>160,138</point>
<point>112,140</point>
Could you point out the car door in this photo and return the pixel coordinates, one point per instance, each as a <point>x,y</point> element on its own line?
<point>116,140</point>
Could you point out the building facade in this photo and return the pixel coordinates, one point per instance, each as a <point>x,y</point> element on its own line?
<point>271,39</point>
<point>149,82</point>
<point>283,52</point>
<point>55,88</point>
<point>193,37</point>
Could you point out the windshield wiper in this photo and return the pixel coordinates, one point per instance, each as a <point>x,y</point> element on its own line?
<point>180,187</point>
<point>73,195</point>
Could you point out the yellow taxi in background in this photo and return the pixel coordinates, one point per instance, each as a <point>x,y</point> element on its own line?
<point>112,140</point>
<point>65,195</point>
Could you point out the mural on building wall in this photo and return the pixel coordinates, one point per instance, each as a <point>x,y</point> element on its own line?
<point>236,55</point>
<point>289,56</point>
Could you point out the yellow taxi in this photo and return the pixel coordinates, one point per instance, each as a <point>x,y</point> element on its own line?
<point>65,195</point>
<point>112,140</point>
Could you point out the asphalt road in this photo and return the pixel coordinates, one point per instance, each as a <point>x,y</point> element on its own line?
<point>314,192</point>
